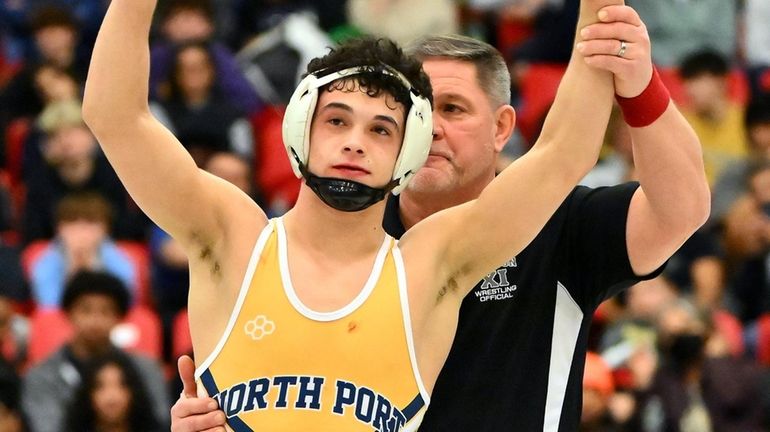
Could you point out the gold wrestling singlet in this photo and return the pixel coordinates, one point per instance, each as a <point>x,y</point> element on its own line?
<point>280,366</point>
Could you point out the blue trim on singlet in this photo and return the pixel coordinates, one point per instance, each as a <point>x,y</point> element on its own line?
<point>413,408</point>
<point>208,383</point>
<point>235,423</point>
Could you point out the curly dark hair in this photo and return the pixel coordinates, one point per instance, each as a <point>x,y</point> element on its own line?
<point>140,412</point>
<point>376,56</point>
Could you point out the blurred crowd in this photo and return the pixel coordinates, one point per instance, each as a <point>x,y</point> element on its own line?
<point>93,294</point>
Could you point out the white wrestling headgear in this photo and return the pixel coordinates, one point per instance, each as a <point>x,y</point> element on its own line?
<point>418,131</point>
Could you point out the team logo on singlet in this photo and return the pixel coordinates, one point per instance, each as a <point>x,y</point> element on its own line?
<point>259,327</point>
<point>297,392</point>
<point>496,286</point>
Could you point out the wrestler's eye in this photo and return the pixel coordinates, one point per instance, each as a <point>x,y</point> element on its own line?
<point>380,130</point>
<point>336,121</point>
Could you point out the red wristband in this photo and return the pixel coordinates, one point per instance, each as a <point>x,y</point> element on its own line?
<point>643,110</point>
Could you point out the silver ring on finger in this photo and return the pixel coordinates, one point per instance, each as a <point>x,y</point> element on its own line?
<point>622,50</point>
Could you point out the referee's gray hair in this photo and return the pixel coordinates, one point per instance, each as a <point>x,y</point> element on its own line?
<point>493,75</point>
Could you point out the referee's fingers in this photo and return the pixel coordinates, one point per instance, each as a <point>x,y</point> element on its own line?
<point>186,407</point>
<point>186,368</point>
<point>194,415</point>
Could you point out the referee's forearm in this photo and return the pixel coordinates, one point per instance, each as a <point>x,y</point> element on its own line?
<point>669,164</point>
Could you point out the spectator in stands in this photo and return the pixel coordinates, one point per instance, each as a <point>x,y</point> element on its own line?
<point>234,169</point>
<point>55,33</point>
<point>13,290</point>
<point>16,15</point>
<point>89,14</point>
<point>195,110</point>
<point>678,28</point>
<point>598,388</point>
<point>95,303</point>
<point>258,16</point>
<point>73,164</point>
<point>14,327</point>
<point>82,243</point>
<point>403,20</point>
<point>717,120</point>
<point>695,388</point>
<point>553,33</point>
<point>698,270</point>
<point>55,86</point>
<point>747,232</point>
<point>112,397</point>
<point>732,183</point>
<point>193,20</point>
<point>631,335</point>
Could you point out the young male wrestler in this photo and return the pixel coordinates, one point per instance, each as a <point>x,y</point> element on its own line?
<point>302,343</point>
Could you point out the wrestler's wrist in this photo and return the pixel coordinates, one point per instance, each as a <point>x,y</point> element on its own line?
<point>643,110</point>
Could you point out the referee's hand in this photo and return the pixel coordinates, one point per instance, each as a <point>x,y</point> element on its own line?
<point>619,43</point>
<point>191,413</point>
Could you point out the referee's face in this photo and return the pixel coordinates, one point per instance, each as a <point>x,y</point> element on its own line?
<point>463,153</point>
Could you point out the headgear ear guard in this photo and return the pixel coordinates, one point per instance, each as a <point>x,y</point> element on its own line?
<point>418,129</point>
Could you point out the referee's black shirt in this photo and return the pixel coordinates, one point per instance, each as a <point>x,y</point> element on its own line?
<point>517,359</point>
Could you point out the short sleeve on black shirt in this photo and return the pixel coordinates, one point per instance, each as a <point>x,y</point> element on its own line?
<point>595,230</point>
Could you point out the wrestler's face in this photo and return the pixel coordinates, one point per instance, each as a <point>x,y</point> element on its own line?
<point>464,151</point>
<point>355,136</point>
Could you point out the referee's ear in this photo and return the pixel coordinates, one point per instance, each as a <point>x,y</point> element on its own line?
<point>505,121</point>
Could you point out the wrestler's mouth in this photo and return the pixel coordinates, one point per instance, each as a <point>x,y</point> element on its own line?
<point>351,170</point>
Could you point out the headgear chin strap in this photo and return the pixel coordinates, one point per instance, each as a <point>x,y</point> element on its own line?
<point>348,195</point>
<point>343,194</point>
